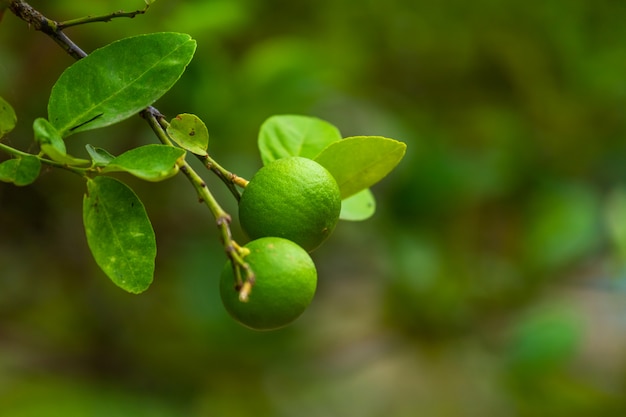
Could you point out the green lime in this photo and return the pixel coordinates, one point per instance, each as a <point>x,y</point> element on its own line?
<point>294,198</point>
<point>285,283</point>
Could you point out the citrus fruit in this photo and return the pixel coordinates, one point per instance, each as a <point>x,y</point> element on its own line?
<point>285,282</point>
<point>295,198</point>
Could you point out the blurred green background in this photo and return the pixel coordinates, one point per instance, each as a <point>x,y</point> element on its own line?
<point>490,282</point>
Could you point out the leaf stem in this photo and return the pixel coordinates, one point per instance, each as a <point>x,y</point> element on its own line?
<point>16,152</point>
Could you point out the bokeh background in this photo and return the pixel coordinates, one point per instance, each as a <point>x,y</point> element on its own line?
<point>490,282</point>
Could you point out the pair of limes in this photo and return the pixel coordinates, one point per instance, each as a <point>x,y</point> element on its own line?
<point>289,207</point>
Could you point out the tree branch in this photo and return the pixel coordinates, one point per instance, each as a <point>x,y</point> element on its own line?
<point>51,28</point>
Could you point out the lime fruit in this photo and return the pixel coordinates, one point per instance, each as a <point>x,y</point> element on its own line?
<point>295,198</point>
<point>285,283</point>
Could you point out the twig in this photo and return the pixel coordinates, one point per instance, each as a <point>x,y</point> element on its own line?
<point>234,252</point>
<point>41,23</point>
<point>225,175</point>
<point>103,18</point>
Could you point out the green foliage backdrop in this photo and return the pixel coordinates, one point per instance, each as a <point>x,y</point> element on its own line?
<point>490,282</point>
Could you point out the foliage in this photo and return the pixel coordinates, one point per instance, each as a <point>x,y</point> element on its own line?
<point>124,78</point>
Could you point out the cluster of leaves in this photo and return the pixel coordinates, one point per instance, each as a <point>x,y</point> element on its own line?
<point>125,78</point>
<point>110,85</point>
<point>356,162</point>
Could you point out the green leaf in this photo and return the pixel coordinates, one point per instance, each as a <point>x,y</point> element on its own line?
<point>149,162</point>
<point>99,156</point>
<point>118,80</point>
<point>359,206</point>
<point>361,161</point>
<point>282,136</point>
<point>52,143</point>
<point>119,233</point>
<point>8,119</point>
<point>188,131</point>
<point>21,171</point>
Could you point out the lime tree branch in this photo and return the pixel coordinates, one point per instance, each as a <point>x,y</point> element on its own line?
<point>51,28</point>
<point>235,252</point>
<point>154,118</point>
<point>54,30</point>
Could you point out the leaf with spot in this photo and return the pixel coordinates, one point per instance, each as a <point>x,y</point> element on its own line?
<point>188,131</point>
<point>119,233</point>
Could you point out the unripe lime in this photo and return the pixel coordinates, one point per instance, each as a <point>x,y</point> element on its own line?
<point>285,283</point>
<point>295,198</point>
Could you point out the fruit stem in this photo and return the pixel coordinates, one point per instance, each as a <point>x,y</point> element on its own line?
<point>234,252</point>
<point>230,179</point>
<point>152,115</point>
